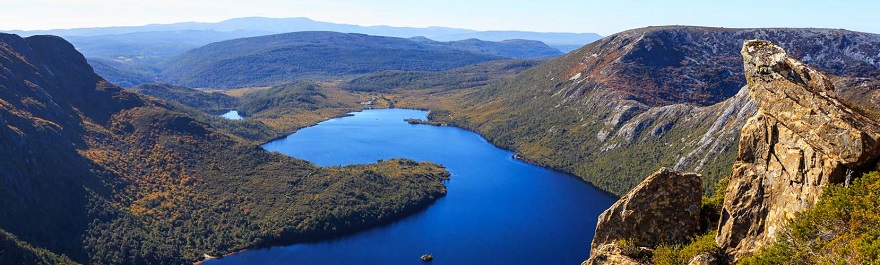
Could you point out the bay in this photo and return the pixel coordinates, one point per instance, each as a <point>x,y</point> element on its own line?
<point>498,210</point>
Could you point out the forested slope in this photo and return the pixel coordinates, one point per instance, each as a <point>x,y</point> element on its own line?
<point>103,175</point>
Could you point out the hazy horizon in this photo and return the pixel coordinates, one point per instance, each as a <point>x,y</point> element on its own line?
<point>602,17</point>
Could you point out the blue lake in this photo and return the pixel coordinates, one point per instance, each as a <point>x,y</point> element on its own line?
<point>232,115</point>
<point>498,210</point>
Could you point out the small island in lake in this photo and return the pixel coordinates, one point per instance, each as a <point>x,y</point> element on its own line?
<point>421,121</point>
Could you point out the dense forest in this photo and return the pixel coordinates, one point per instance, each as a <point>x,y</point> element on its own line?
<point>470,76</point>
<point>111,176</point>
<point>291,106</point>
<point>210,102</point>
<point>14,251</point>
<point>272,111</point>
<point>512,48</point>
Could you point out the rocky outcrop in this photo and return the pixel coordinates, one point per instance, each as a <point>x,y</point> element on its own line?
<point>664,208</point>
<point>802,139</point>
<point>616,254</point>
<point>658,96</point>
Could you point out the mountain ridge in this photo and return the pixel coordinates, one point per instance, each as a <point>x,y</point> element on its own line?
<point>128,56</point>
<point>281,25</point>
<point>104,175</point>
<point>271,59</point>
<point>798,154</point>
<point>610,100</point>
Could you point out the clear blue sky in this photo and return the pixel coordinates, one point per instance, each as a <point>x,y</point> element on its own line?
<point>603,17</point>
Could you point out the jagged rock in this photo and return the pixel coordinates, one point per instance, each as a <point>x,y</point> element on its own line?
<point>664,208</point>
<point>724,132</point>
<point>805,102</point>
<point>615,254</point>
<point>801,139</point>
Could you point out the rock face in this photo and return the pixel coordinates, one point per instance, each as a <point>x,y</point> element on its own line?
<point>801,139</point>
<point>658,96</point>
<point>664,208</point>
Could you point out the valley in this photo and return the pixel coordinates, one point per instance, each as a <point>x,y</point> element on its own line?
<point>487,187</point>
<point>101,160</point>
<point>190,141</point>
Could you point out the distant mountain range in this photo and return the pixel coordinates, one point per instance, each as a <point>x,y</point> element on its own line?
<point>128,56</point>
<point>198,33</point>
<point>280,58</point>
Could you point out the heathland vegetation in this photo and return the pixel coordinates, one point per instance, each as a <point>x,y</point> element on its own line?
<point>99,174</point>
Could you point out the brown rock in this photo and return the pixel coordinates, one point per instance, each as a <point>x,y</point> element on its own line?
<point>704,259</point>
<point>804,101</point>
<point>664,208</point>
<point>801,139</point>
<point>617,255</point>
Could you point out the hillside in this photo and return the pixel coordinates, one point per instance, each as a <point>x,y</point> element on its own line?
<point>125,72</point>
<point>107,176</point>
<point>659,96</point>
<point>802,188</point>
<point>514,48</point>
<point>16,252</point>
<point>150,45</point>
<point>130,59</point>
<point>289,107</point>
<point>274,59</point>
<point>210,102</point>
<point>470,76</point>
<point>271,112</point>
<point>129,64</point>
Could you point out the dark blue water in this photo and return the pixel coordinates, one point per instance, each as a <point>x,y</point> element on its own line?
<point>498,210</point>
<point>232,115</point>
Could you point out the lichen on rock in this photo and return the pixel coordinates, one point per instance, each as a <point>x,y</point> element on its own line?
<point>662,209</point>
<point>801,139</point>
<point>617,254</point>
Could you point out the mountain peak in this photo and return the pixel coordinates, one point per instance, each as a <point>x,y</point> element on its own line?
<point>700,65</point>
<point>55,71</point>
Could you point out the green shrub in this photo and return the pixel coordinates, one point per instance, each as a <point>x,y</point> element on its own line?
<point>681,254</point>
<point>629,248</point>
<point>710,210</point>
<point>843,228</point>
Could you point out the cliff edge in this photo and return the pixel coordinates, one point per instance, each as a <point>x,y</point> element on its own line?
<point>801,139</point>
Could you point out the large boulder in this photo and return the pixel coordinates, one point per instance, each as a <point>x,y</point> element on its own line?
<point>801,139</point>
<point>662,209</point>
